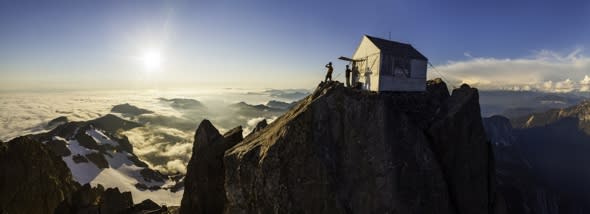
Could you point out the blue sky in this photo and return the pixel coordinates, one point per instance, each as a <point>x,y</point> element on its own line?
<point>96,44</point>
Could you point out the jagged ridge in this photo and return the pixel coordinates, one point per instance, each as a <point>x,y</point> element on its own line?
<point>341,150</point>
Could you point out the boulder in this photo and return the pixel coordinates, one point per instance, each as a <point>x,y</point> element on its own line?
<point>79,159</point>
<point>98,159</point>
<point>114,201</point>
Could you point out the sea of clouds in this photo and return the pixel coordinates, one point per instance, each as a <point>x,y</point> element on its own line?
<point>165,141</point>
<point>544,70</point>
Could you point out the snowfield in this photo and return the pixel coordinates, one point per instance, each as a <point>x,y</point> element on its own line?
<point>122,172</point>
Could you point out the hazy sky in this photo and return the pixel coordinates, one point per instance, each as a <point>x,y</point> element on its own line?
<point>280,44</point>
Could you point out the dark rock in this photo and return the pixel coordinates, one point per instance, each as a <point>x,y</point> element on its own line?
<point>86,141</point>
<point>462,149</point>
<point>287,94</point>
<point>204,181</point>
<point>279,104</point>
<point>113,124</point>
<point>177,177</point>
<point>57,121</point>
<point>89,200</point>
<point>147,206</point>
<point>79,159</point>
<point>152,175</point>
<point>438,89</point>
<point>130,110</point>
<point>124,144</point>
<point>85,200</point>
<point>154,188</point>
<point>183,103</point>
<point>113,201</point>
<point>59,147</point>
<point>177,186</point>
<point>32,178</point>
<point>259,126</point>
<point>66,131</point>
<point>109,123</point>
<point>347,151</point>
<point>540,171</point>
<point>141,186</point>
<point>137,162</point>
<point>499,130</point>
<point>242,106</point>
<point>98,160</point>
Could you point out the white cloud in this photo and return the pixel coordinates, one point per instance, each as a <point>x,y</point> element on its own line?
<point>545,70</point>
<point>585,84</point>
<point>176,166</point>
<point>251,124</point>
<point>165,148</point>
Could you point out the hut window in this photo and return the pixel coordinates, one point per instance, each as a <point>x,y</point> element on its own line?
<point>387,65</point>
<point>401,68</point>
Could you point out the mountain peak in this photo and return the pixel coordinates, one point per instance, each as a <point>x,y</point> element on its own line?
<point>343,150</point>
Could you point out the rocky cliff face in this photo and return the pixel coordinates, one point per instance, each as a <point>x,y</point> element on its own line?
<point>205,171</point>
<point>35,178</point>
<point>32,178</point>
<point>539,169</point>
<point>345,151</point>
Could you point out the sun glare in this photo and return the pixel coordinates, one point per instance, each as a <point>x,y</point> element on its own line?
<point>152,60</point>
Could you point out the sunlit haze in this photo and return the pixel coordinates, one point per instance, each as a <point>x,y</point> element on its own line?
<point>269,44</point>
<point>151,59</point>
<point>300,106</point>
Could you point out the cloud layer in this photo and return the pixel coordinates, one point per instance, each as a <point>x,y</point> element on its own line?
<point>544,70</point>
<point>165,141</point>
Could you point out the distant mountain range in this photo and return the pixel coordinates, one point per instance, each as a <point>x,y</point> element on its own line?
<point>541,159</point>
<point>96,154</point>
<point>520,103</point>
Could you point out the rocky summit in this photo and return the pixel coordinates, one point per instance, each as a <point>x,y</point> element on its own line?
<point>32,178</point>
<point>341,150</point>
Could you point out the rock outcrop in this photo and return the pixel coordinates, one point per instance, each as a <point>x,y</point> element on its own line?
<point>499,130</point>
<point>130,110</point>
<point>205,175</point>
<point>57,121</point>
<point>346,151</point>
<point>97,200</point>
<point>32,178</point>
<point>59,147</point>
<point>259,126</point>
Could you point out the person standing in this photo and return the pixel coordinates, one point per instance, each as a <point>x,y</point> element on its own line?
<point>355,76</point>
<point>330,70</point>
<point>347,73</point>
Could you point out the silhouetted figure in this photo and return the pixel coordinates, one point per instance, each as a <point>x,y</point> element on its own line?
<point>330,70</point>
<point>368,79</point>
<point>347,73</point>
<point>355,76</point>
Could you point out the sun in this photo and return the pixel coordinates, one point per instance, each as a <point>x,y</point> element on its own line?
<point>151,59</point>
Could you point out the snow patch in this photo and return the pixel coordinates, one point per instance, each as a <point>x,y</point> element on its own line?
<point>101,138</point>
<point>122,172</point>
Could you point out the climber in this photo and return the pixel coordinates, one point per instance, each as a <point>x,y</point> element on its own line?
<point>330,70</point>
<point>347,73</point>
<point>355,76</point>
